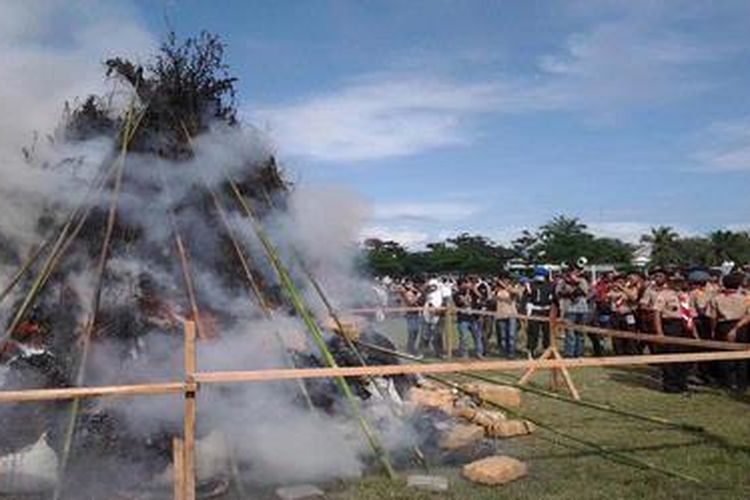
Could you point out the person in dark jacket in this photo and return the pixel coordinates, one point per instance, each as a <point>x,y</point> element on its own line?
<point>539,303</point>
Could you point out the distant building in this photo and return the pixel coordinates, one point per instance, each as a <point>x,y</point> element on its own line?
<point>642,256</point>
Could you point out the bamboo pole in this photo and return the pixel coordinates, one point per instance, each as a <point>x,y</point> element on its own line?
<point>182,254</point>
<point>191,387</point>
<point>549,394</point>
<point>25,267</point>
<point>320,292</point>
<point>60,245</point>
<point>301,308</point>
<point>604,452</point>
<point>127,134</point>
<point>244,260</point>
<point>178,468</point>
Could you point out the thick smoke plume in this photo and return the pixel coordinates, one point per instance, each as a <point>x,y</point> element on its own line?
<point>45,175</point>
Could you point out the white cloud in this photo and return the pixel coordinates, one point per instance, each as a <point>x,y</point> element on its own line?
<point>600,73</point>
<point>726,146</point>
<point>624,63</point>
<point>426,211</point>
<point>738,227</point>
<point>380,117</point>
<point>630,232</point>
<point>408,237</point>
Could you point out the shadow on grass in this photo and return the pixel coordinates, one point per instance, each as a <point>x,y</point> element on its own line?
<point>643,378</point>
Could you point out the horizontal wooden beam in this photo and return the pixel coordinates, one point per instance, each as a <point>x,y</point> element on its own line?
<point>30,395</point>
<point>473,366</point>
<point>606,332</point>
<point>154,389</point>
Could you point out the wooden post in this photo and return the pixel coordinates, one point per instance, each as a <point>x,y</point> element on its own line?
<point>449,326</point>
<point>190,410</point>
<point>178,468</point>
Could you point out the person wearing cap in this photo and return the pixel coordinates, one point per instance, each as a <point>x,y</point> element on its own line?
<point>674,316</point>
<point>540,298</point>
<point>729,311</point>
<point>572,292</point>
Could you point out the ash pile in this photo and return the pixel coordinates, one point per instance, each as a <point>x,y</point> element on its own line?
<point>162,207</point>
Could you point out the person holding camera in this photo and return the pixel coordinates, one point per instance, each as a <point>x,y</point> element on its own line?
<point>573,296</point>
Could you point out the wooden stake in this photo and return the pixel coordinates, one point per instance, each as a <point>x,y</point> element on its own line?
<point>190,410</point>
<point>178,468</point>
<point>526,376</point>
<point>566,377</point>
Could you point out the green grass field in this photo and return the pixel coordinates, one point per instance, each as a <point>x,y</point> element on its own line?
<point>719,457</point>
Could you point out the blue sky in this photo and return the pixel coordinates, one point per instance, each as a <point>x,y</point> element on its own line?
<point>494,116</point>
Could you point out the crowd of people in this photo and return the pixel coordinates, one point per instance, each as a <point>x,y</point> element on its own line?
<point>696,303</point>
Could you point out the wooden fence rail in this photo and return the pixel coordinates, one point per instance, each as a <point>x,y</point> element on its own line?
<point>184,481</point>
<point>605,332</point>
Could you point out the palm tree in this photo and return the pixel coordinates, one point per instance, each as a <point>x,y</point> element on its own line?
<point>562,226</point>
<point>664,245</point>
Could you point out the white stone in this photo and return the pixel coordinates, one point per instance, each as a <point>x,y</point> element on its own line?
<point>429,483</point>
<point>299,492</point>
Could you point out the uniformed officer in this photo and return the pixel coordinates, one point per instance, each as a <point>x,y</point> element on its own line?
<point>674,316</point>
<point>701,293</point>
<point>624,299</point>
<point>652,287</point>
<point>729,311</point>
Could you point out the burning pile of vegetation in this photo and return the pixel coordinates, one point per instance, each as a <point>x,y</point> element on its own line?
<point>166,221</point>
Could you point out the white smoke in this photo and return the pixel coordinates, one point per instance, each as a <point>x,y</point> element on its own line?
<point>268,424</point>
<point>52,52</point>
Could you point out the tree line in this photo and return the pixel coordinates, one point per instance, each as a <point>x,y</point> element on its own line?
<point>561,240</point>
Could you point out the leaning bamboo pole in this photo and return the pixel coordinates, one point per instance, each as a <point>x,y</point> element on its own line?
<point>66,235</point>
<point>331,310</point>
<point>182,254</point>
<point>25,267</point>
<point>264,305</point>
<point>244,261</point>
<point>131,125</point>
<point>548,394</point>
<point>300,307</point>
<point>607,453</point>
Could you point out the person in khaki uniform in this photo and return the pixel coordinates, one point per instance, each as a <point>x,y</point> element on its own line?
<point>646,302</point>
<point>674,317</point>
<point>701,293</point>
<point>729,311</point>
<point>624,298</point>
